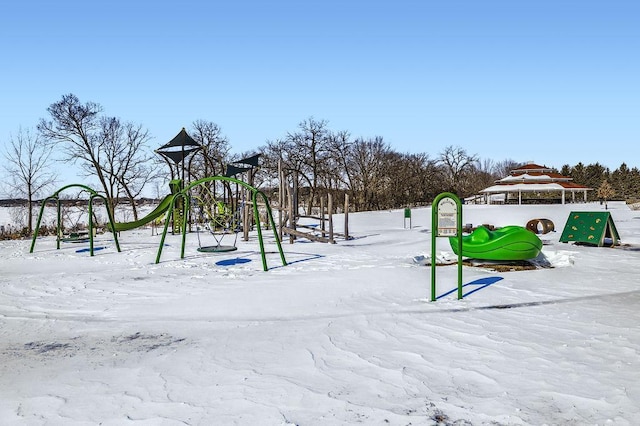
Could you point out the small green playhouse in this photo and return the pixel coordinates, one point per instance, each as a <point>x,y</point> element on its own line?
<point>593,228</point>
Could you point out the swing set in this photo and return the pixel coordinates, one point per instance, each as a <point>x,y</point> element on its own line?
<point>59,234</point>
<point>219,219</point>
<point>231,224</point>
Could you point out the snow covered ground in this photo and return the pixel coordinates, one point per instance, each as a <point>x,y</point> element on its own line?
<point>344,334</point>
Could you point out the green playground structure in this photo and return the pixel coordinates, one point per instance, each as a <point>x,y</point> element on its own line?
<point>508,243</point>
<point>165,203</point>
<point>153,215</point>
<point>56,197</point>
<point>183,198</point>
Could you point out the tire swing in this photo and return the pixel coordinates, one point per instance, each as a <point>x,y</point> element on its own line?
<point>219,221</point>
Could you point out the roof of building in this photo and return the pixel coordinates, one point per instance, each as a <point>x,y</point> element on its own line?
<point>533,177</point>
<point>535,187</point>
<point>531,167</point>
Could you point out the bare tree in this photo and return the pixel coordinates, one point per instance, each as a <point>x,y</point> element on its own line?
<point>483,174</point>
<point>304,154</point>
<point>126,161</point>
<point>374,175</point>
<point>310,151</point>
<point>417,180</point>
<point>276,152</point>
<point>102,147</point>
<point>73,130</point>
<point>605,192</point>
<point>29,168</point>
<point>339,174</point>
<point>368,165</point>
<point>503,168</point>
<point>457,167</point>
<point>214,156</point>
<point>210,160</point>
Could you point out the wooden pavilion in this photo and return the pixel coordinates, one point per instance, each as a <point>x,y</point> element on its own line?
<point>537,184</point>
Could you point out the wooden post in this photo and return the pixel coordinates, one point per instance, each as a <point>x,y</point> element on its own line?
<point>322,227</point>
<point>346,216</point>
<point>246,222</point>
<point>292,219</point>
<point>280,198</point>
<point>330,208</point>
<point>295,194</point>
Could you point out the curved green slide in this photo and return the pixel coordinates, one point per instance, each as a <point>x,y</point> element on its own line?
<point>155,213</point>
<point>507,243</point>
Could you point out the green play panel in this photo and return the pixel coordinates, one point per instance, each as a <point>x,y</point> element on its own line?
<point>594,228</point>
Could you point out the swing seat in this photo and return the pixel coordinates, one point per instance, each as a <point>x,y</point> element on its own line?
<point>219,220</point>
<point>217,249</point>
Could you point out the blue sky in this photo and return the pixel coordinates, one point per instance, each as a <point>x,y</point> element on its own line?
<point>556,82</point>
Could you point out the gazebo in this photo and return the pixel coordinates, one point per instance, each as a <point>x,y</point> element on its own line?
<point>535,180</point>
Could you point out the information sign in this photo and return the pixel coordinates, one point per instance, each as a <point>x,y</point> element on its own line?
<point>446,221</point>
<point>447,218</point>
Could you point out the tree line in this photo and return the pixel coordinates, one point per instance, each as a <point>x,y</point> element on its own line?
<point>377,177</point>
<point>117,155</point>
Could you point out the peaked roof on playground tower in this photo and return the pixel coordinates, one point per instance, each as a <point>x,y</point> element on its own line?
<point>185,144</point>
<point>534,178</point>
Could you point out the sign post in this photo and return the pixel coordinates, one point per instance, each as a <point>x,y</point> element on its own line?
<point>446,221</point>
<point>407,215</point>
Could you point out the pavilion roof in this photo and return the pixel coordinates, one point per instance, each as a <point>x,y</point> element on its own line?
<point>534,178</point>
<point>536,187</point>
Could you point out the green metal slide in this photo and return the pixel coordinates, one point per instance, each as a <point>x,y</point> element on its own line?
<point>157,212</point>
